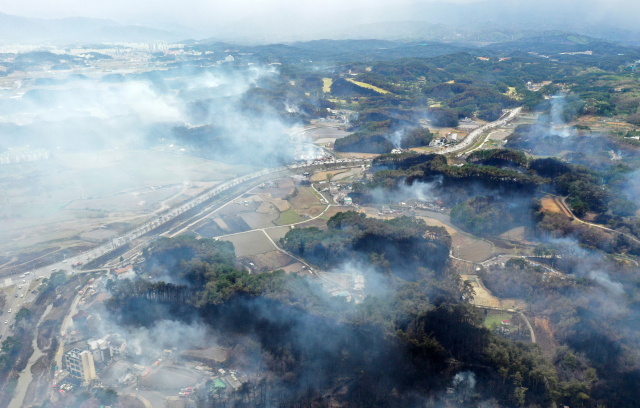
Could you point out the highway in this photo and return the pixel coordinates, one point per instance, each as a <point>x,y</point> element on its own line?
<point>18,296</point>
<point>14,303</point>
<point>473,137</point>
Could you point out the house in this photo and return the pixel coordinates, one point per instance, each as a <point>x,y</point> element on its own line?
<point>123,273</point>
<point>506,322</point>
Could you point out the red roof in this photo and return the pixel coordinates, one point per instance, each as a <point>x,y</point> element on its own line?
<point>123,270</point>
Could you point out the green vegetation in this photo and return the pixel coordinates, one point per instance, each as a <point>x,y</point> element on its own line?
<point>396,245</point>
<point>289,217</point>
<point>410,331</point>
<point>382,137</point>
<point>495,320</point>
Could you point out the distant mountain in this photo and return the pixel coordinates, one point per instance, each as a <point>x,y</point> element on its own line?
<point>77,29</point>
<point>489,20</point>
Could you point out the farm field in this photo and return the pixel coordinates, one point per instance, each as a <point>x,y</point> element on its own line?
<point>289,217</point>
<point>494,320</point>
<point>326,85</point>
<point>482,296</point>
<point>368,86</point>
<point>250,243</point>
<point>550,205</point>
<point>68,197</point>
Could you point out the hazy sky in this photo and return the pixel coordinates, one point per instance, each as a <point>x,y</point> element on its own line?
<point>211,17</point>
<point>195,10</point>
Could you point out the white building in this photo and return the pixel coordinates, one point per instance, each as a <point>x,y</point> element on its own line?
<point>80,364</point>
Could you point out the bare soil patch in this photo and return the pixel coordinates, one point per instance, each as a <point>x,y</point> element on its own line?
<point>270,261</point>
<point>277,233</point>
<point>279,203</point>
<point>550,205</point>
<point>304,199</point>
<point>322,175</point>
<point>257,220</point>
<point>251,243</point>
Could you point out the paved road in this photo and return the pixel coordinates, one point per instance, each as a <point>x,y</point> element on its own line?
<point>115,243</point>
<point>18,296</point>
<point>475,135</point>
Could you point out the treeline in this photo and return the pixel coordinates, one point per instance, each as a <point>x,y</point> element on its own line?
<point>382,137</point>
<point>490,215</point>
<point>598,358</point>
<point>396,348</point>
<point>398,245</point>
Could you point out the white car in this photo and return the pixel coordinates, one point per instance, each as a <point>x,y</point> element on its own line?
<point>22,295</point>
<point>54,269</point>
<point>9,310</point>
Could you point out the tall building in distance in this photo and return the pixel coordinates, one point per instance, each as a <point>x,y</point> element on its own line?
<point>158,46</point>
<point>80,364</point>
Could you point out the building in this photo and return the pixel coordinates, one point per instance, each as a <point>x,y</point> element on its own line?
<point>80,364</point>
<point>100,349</point>
<point>348,201</point>
<point>124,273</point>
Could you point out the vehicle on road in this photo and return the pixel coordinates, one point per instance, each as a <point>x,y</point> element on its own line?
<point>9,310</point>
<point>6,321</point>
<point>54,269</point>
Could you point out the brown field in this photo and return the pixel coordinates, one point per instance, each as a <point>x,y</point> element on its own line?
<point>277,233</point>
<point>322,175</point>
<point>313,211</point>
<point>250,243</point>
<point>257,220</point>
<point>471,249</point>
<point>265,208</point>
<point>279,203</point>
<point>437,223</point>
<point>352,172</point>
<point>270,261</point>
<point>550,205</point>
<point>499,135</point>
<point>304,199</point>
<point>514,234</point>
<point>483,297</point>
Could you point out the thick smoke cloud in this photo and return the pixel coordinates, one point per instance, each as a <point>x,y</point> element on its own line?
<point>206,112</point>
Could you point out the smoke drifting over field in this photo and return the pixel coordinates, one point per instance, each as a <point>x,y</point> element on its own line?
<point>218,113</point>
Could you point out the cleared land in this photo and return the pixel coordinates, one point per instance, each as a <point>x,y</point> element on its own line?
<point>250,243</point>
<point>326,85</point>
<point>494,320</point>
<point>483,297</point>
<point>62,202</point>
<point>289,217</point>
<point>550,205</point>
<point>368,86</point>
<point>322,175</point>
